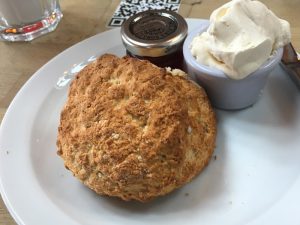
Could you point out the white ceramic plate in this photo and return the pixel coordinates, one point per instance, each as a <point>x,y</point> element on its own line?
<point>254,179</point>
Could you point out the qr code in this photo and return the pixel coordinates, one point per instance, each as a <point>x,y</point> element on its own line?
<point>129,8</point>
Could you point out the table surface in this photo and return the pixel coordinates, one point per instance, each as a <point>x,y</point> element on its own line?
<point>82,19</point>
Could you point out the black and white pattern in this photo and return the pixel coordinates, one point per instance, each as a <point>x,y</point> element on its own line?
<point>129,8</point>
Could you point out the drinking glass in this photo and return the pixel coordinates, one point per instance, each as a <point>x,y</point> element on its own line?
<point>24,20</point>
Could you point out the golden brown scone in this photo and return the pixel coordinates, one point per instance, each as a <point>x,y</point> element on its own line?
<point>133,130</point>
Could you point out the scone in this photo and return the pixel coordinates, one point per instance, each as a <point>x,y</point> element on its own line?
<point>133,130</point>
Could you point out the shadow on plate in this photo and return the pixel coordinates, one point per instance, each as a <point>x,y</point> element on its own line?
<point>277,107</point>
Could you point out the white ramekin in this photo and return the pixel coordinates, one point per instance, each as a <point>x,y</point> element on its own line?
<point>224,92</point>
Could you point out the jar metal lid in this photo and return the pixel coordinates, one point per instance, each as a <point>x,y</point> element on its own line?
<point>154,33</point>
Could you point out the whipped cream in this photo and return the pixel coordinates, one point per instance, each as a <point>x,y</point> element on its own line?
<point>241,36</point>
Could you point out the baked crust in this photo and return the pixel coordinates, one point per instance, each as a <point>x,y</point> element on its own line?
<point>133,130</point>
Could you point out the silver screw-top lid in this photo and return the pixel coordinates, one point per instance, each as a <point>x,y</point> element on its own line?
<point>154,33</point>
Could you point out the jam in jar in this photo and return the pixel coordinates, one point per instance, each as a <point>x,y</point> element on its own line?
<point>157,36</point>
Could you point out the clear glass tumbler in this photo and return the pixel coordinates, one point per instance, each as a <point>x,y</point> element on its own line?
<point>24,20</point>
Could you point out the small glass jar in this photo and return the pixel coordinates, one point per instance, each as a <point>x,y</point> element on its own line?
<point>157,36</point>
